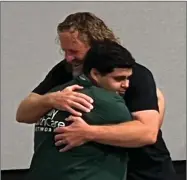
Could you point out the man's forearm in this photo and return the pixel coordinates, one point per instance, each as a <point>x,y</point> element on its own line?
<point>128,134</point>
<point>32,108</point>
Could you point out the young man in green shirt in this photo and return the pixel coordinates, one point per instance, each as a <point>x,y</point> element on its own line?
<point>106,70</point>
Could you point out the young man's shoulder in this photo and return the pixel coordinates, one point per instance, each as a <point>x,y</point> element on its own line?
<point>62,86</point>
<point>109,107</point>
<point>103,96</point>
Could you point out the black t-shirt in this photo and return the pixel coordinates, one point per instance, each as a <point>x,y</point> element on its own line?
<point>150,162</point>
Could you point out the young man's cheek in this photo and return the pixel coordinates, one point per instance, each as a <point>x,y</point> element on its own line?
<point>115,86</point>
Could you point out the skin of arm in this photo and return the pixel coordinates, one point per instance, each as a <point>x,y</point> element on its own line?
<point>32,108</point>
<point>161,105</point>
<point>143,130</point>
<point>35,103</point>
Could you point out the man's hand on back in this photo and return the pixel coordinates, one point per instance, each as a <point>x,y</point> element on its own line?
<point>73,135</point>
<point>71,101</point>
<point>35,106</point>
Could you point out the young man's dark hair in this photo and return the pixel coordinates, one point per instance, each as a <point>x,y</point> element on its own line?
<point>105,56</point>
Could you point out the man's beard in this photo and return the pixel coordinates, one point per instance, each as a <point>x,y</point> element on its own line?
<point>75,68</point>
<point>76,71</point>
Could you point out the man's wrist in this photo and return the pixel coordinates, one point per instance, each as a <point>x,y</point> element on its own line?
<point>91,133</point>
<point>48,101</point>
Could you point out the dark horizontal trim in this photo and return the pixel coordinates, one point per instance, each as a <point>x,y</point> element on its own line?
<point>14,170</point>
<point>181,163</point>
<point>18,174</point>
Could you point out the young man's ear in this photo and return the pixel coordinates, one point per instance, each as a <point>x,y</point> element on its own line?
<point>94,74</point>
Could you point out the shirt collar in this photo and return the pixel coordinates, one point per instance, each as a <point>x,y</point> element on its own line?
<point>83,80</point>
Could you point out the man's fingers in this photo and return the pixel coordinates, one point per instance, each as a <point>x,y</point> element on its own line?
<point>72,111</point>
<point>59,143</point>
<point>80,107</point>
<point>66,148</point>
<point>75,87</point>
<point>81,100</point>
<point>58,137</point>
<point>84,96</point>
<point>72,118</point>
<point>61,129</point>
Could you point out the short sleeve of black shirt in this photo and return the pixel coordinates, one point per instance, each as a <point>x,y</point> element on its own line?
<point>141,94</point>
<point>59,74</point>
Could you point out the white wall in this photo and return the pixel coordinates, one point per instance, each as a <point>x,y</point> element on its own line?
<point>155,33</point>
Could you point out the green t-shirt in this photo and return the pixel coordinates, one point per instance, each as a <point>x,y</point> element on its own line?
<point>90,161</point>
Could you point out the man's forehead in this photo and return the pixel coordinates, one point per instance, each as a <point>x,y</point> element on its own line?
<point>69,40</point>
<point>67,35</point>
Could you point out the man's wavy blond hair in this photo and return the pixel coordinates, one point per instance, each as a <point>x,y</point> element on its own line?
<point>91,28</point>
